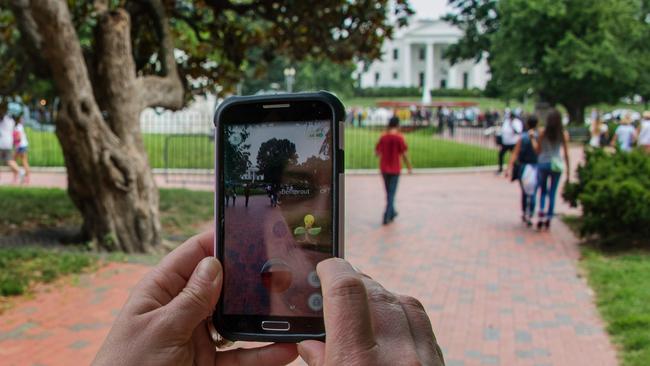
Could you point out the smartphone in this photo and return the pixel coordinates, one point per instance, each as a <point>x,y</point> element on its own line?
<point>278,212</point>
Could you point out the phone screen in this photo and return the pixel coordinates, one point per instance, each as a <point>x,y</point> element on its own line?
<point>278,217</point>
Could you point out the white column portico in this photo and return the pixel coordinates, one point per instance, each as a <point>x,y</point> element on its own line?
<point>406,56</point>
<point>428,74</point>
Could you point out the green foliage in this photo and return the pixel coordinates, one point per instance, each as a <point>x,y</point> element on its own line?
<point>568,52</point>
<point>415,92</point>
<point>576,59</point>
<point>20,267</point>
<point>221,40</point>
<point>623,298</point>
<point>182,212</point>
<point>311,74</point>
<point>479,19</point>
<point>614,192</point>
<point>274,156</point>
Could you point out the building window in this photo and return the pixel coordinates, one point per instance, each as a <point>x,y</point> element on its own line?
<point>395,54</point>
<point>376,78</point>
<point>421,82</point>
<point>422,54</point>
<point>395,75</point>
<point>443,84</point>
<point>465,80</point>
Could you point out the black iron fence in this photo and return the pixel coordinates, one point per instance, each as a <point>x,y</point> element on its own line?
<point>181,145</point>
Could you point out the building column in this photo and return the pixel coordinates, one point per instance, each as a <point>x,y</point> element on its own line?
<point>452,77</point>
<point>406,52</point>
<point>428,74</point>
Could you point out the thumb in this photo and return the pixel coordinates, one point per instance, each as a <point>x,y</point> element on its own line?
<point>313,352</point>
<point>198,299</point>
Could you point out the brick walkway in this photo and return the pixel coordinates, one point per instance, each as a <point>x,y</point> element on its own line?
<point>497,293</point>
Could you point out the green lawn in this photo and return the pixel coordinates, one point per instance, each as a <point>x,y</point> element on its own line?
<point>21,267</point>
<point>196,151</point>
<point>622,285</point>
<point>425,150</point>
<point>182,211</point>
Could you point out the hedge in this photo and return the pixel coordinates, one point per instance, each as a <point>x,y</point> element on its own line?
<point>614,192</point>
<point>415,92</point>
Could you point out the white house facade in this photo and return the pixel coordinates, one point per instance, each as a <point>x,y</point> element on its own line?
<point>413,58</point>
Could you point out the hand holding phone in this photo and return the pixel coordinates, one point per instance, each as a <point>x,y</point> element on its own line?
<point>368,325</point>
<point>284,153</point>
<point>164,321</point>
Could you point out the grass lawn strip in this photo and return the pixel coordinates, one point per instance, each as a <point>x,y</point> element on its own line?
<point>182,211</point>
<point>622,285</point>
<point>23,266</point>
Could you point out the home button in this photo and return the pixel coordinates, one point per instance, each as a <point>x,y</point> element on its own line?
<point>276,326</point>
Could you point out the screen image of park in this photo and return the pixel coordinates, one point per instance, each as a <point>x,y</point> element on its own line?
<point>278,216</point>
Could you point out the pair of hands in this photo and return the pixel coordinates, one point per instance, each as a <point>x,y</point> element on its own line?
<point>164,320</point>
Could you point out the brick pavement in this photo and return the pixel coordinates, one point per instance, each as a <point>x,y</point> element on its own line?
<point>497,293</point>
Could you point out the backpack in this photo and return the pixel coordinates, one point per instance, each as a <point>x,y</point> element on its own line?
<point>17,138</point>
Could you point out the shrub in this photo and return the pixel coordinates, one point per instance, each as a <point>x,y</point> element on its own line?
<point>614,192</point>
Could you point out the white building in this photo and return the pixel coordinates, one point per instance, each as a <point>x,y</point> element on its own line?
<point>413,58</point>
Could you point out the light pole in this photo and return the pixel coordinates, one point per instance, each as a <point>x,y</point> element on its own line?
<point>289,77</point>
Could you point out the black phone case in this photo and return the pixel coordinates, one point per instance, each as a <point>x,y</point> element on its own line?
<point>338,111</point>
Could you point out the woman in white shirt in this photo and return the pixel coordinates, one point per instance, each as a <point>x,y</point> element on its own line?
<point>624,135</point>
<point>644,132</point>
<point>598,132</point>
<point>20,155</point>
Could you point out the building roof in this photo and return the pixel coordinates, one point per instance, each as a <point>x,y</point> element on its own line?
<point>428,29</point>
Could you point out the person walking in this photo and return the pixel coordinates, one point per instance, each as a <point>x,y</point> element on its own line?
<point>20,143</point>
<point>392,149</point>
<point>7,125</point>
<point>598,132</point>
<point>523,167</point>
<point>550,165</point>
<point>510,131</point>
<point>644,132</point>
<point>247,193</point>
<point>624,135</point>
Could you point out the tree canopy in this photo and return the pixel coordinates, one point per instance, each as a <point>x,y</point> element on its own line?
<point>569,52</point>
<point>219,39</point>
<point>273,158</point>
<point>107,60</point>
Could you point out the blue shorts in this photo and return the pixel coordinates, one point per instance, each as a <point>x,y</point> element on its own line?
<point>21,150</point>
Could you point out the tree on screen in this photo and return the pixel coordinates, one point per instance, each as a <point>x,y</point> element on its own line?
<point>110,59</point>
<point>274,157</point>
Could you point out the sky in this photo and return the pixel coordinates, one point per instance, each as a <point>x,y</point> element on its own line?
<point>429,8</point>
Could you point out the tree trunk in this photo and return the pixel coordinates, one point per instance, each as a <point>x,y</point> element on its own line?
<point>576,113</point>
<point>109,179</point>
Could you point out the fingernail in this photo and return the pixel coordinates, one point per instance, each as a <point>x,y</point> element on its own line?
<point>209,269</point>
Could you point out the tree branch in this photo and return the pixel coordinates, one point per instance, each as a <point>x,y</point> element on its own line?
<point>167,90</point>
<point>27,27</point>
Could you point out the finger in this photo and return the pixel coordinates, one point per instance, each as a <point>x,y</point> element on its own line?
<point>203,345</point>
<point>196,301</point>
<point>271,355</point>
<point>390,324</point>
<point>345,307</point>
<point>312,352</point>
<point>170,276</point>
<point>421,331</point>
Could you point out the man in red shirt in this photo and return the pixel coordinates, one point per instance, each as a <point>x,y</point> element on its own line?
<point>391,149</point>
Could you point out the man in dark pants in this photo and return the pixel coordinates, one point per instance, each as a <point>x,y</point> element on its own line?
<point>510,131</point>
<point>247,192</point>
<point>391,149</point>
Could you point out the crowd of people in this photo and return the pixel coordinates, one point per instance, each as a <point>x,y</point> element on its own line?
<point>13,144</point>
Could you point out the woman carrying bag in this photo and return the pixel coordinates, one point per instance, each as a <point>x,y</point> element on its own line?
<point>550,164</point>
<point>523,167</point>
